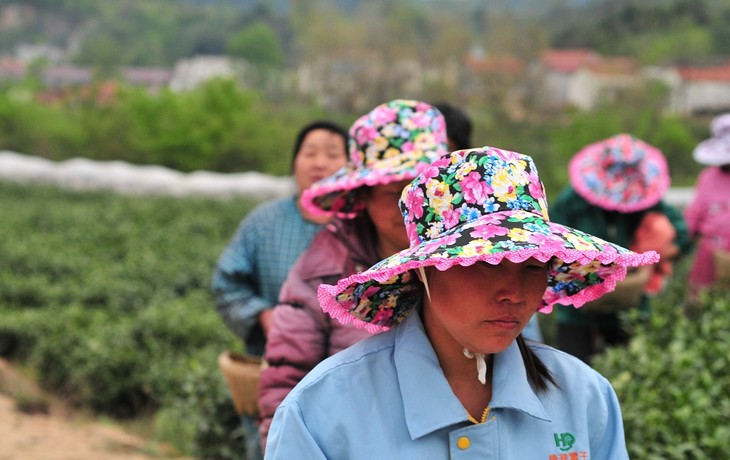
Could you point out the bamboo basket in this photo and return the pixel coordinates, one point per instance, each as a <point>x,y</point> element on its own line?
<point>241,373</point>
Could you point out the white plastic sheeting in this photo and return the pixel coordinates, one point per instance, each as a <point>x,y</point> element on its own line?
<point>122,177</point>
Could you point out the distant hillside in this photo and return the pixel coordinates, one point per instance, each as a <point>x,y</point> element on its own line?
<point>655,32</point>
<point>107,33</point>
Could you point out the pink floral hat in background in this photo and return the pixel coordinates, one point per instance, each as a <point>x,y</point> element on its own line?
<point>715,151</point>
<point>394,142</point>
<point>621,173</point>
<point>475,205</point>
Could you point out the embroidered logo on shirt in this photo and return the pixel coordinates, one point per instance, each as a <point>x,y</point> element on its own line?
<point>564,441</point>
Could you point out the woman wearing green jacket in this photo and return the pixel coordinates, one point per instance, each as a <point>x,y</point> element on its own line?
<point>614,185</point>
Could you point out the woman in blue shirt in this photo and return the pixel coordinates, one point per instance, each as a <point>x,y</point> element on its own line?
<point>252,268</point>
<point>452,377</point>
<point>250,271</point>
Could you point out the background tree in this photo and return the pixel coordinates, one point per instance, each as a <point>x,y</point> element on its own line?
<point>258,44</point>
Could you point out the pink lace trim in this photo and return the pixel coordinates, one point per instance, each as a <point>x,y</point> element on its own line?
<point>350,182</point>
<point>326,293</point>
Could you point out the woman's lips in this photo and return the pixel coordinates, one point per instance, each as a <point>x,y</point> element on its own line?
<point>504,323</point>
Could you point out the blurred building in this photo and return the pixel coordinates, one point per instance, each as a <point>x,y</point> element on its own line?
<point>701,89</point>
<point>581,78</point>
<point>191,73</point>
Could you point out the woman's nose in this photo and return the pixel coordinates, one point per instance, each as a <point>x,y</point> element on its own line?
<point>511,287</point>
<point>322,161</point>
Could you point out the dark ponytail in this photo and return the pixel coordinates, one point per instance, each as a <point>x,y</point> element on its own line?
<point>537,373</point>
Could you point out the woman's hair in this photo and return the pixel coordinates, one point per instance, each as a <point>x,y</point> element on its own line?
<point>319,124</point>
<point>537,373</point>
<point>458,125</point>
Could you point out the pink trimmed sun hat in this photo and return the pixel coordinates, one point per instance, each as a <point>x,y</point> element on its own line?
<point>475,205</point>
<point>621,173</point>
<point>715,151</point>
<point>394,142</point>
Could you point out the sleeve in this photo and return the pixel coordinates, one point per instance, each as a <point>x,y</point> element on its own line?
<point>234,283</point>
<point>297,342</point>
<point>609,441</point>
<point>290,437</point>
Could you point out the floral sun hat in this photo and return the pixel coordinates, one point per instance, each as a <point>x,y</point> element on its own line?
<point>394,142</point>
<point>715,151</point>
<point>621,173</point>
<point>474,205</point>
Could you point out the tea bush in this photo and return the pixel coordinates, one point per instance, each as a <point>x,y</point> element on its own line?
<point>107,298</point>
<point>212,430</point>
<point>673,379</point>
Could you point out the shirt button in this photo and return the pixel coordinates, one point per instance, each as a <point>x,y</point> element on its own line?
<point>463,443</point>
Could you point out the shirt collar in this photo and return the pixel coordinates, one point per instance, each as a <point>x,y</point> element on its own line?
<point>510,387</point>
<point>428,401</point>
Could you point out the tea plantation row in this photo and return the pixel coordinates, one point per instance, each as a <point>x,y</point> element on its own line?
<point>673,380</point>
<point>106,298</point>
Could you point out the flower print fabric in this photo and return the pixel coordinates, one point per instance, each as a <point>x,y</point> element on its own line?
<point>715,151</point>
<point>394,142</point>
<point>479,205</point>
<point>621,173</point>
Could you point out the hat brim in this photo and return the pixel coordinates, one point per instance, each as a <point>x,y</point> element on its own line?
<point>712,152</point>
<point>337,195</point>
<point>625,194</point>
<point>583,267</point>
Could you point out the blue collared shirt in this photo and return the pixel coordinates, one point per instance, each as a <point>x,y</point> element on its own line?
<point>251,270</point>
<point>387,397</point>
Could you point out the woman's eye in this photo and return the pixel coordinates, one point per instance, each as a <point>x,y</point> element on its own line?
<point>486,266</point>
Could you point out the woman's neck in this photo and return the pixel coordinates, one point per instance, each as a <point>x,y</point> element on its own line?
<point>461,371</point>
<point>473,394</point>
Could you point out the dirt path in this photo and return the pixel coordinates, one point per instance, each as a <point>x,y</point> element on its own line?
<point>56,433</point>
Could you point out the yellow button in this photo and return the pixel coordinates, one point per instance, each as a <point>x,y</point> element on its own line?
<point>463,443</point>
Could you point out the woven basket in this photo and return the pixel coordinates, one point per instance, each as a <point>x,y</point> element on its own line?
<point>627,294</point>
<point>722,267</point>
<point>241,373</point>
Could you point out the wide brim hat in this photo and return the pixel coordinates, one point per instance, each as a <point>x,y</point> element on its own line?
<point>393,142</point>
<point>715,151</point>
<point>479,205</point>
<point>621,173</point>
